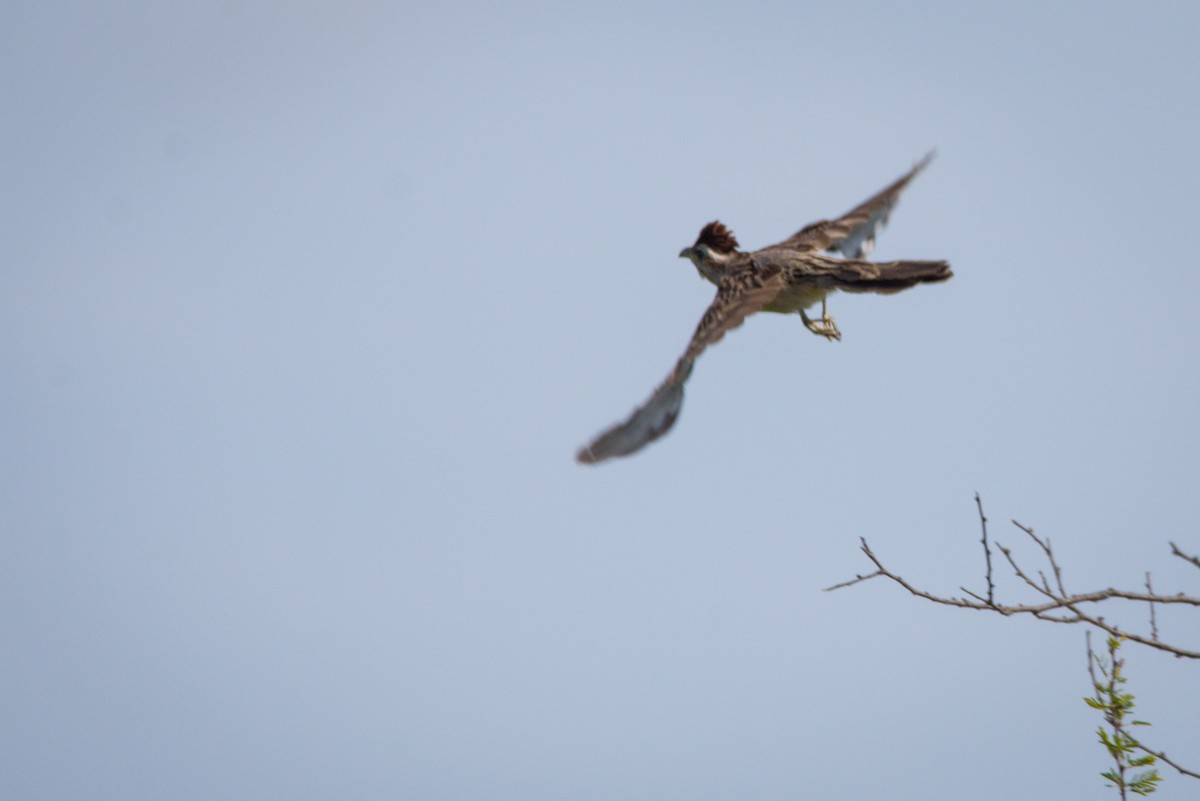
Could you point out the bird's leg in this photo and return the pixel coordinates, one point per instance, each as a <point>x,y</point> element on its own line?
<point>825,327</point>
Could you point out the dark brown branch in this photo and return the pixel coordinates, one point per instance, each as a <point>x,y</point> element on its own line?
<point>987,552</point>
<point>1195,560</point>
<point>1170,762</point>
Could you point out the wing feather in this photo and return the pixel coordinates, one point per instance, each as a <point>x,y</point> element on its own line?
<point>739,295</point>
<point>853,234</point>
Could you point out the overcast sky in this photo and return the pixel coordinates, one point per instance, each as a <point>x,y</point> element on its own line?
<point>305,308</point>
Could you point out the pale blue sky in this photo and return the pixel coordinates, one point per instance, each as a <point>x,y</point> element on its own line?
<point>305,307</point>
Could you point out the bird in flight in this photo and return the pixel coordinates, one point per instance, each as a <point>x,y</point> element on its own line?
<point>787,277</point>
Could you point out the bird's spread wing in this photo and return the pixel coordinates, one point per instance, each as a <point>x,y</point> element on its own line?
<point>739,295</point>
<point>853,234</point>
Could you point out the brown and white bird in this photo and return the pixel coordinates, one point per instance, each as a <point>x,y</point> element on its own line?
<point>787,277</point>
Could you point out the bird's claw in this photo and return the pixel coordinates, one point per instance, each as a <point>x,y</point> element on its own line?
<point>823,327</point>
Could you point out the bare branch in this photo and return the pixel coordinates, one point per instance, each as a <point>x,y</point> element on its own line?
<point>1170,762</point>
<point>1057,601</point>
<point>882,571</point>
<point>1046,549</point>
<point>1195,560</point>
<point>852,581</point>
<point>1100,623</point>
<point>987,552</point>
<point>1059,606</point>
<point>1043,588</point>
<point>1153,621</point>
<point>1087,636</point>
<point>978,597</point>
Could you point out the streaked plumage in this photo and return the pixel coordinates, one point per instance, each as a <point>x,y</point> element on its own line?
<point>786,277</point>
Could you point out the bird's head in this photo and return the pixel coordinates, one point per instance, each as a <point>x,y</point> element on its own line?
<point>715,246</point>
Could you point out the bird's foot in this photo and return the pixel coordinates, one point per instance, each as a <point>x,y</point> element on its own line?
<point>824,327</point>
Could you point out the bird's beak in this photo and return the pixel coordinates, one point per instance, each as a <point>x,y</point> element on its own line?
<point>686,253</point>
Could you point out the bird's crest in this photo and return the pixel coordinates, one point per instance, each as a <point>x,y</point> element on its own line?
<point>717,237</point>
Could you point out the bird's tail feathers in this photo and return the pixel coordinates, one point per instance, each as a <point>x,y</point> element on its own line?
<point>893,276</point>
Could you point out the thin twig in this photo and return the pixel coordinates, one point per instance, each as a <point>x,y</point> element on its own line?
<point>977,597</point>
<point>987,552</point>
<point>1087,636</point>
<point>1170,762</point>
<point>852,581</point>
<point>1045,546</point>
<point>1100,623</point>
<point>1043,588</point>
<point>1153,621</point>
<point>1195,560</point>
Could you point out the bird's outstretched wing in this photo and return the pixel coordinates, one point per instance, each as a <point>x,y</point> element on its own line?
<point>853,234</point>
<point>739,295</point>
